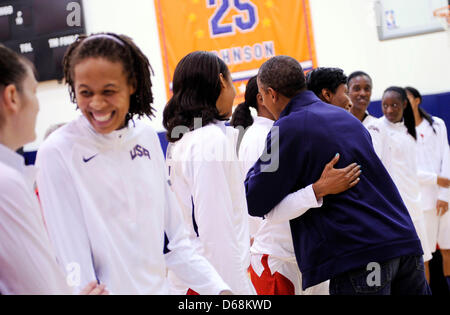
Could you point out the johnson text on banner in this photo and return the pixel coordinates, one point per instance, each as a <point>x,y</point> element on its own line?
<point>244,33</point>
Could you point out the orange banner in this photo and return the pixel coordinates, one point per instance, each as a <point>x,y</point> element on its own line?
<point>244,33</point>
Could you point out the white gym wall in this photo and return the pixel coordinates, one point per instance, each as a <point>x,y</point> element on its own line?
<point>345,35</point>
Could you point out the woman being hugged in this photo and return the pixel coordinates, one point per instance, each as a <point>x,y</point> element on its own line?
<point>103,183</point>
<point>433,159</point>
<point>252,134</point>
<point>255,129</point>
<point>273,270</point>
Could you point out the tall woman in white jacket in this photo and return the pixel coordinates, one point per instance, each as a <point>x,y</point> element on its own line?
<point>433,159</point>
<point>394,138</point>
<point>103,181</point>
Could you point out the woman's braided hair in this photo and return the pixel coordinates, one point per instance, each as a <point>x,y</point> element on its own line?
<point>115,48</point>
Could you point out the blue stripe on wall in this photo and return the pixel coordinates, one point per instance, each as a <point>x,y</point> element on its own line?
<point>437,105</point>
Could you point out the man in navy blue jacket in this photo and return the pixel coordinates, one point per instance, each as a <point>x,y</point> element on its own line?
<point>362,239</point>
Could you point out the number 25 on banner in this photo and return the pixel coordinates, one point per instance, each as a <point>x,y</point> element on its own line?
<point>218,28</point>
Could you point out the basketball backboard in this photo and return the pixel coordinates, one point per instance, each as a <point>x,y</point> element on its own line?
<point>401,18</point>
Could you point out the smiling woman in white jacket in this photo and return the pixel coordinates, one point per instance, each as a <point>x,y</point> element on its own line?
<point>394,139</point>
<point>103,182</point>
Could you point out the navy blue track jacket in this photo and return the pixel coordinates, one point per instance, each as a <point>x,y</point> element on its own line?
<point>368,223</point>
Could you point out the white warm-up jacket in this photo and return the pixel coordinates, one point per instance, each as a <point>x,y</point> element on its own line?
<point>206,178</point>
<point>27,260</point>
<point>397,149</point>
<point>251,148</point>
<point>433,159</point>
<point>368,120</point>
<point>108,207</point>
<point>253,143</point>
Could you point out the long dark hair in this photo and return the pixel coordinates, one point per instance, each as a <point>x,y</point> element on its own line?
<point>416,94</point>
<point>408,114</point>
<point>242,115</point>
<point>115,48</point>
<point>196,88</point>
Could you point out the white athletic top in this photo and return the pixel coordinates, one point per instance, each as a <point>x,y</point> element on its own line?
<point>397,149</point>
<point>369,120</point>
<point>254,142</point>
<point>433,159</point>
<point>274,236</point>
<point>108,205</point>
<point>27,260</point>
<point>206,177</point>
<point>251,148</point>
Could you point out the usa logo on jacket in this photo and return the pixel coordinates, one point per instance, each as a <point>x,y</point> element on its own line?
<point>139,151</point>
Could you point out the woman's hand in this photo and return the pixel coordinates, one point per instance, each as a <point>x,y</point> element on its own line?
<point>443,182</point>
<point>334,181</point>
<point>441,207</point>
<point>94,289</point>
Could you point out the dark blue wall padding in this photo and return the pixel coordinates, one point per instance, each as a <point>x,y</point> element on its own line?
<point>437,105</point>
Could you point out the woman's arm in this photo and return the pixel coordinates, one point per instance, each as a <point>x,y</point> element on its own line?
<point>28,262</point>
<point>332,181</point>
<point>64,218</point>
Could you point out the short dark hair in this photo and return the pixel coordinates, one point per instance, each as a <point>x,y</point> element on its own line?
<point>284,74</point>
<point>325,78</point>
<point>358,74</point>
<point>115,48</point>
<point>196,88</point>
